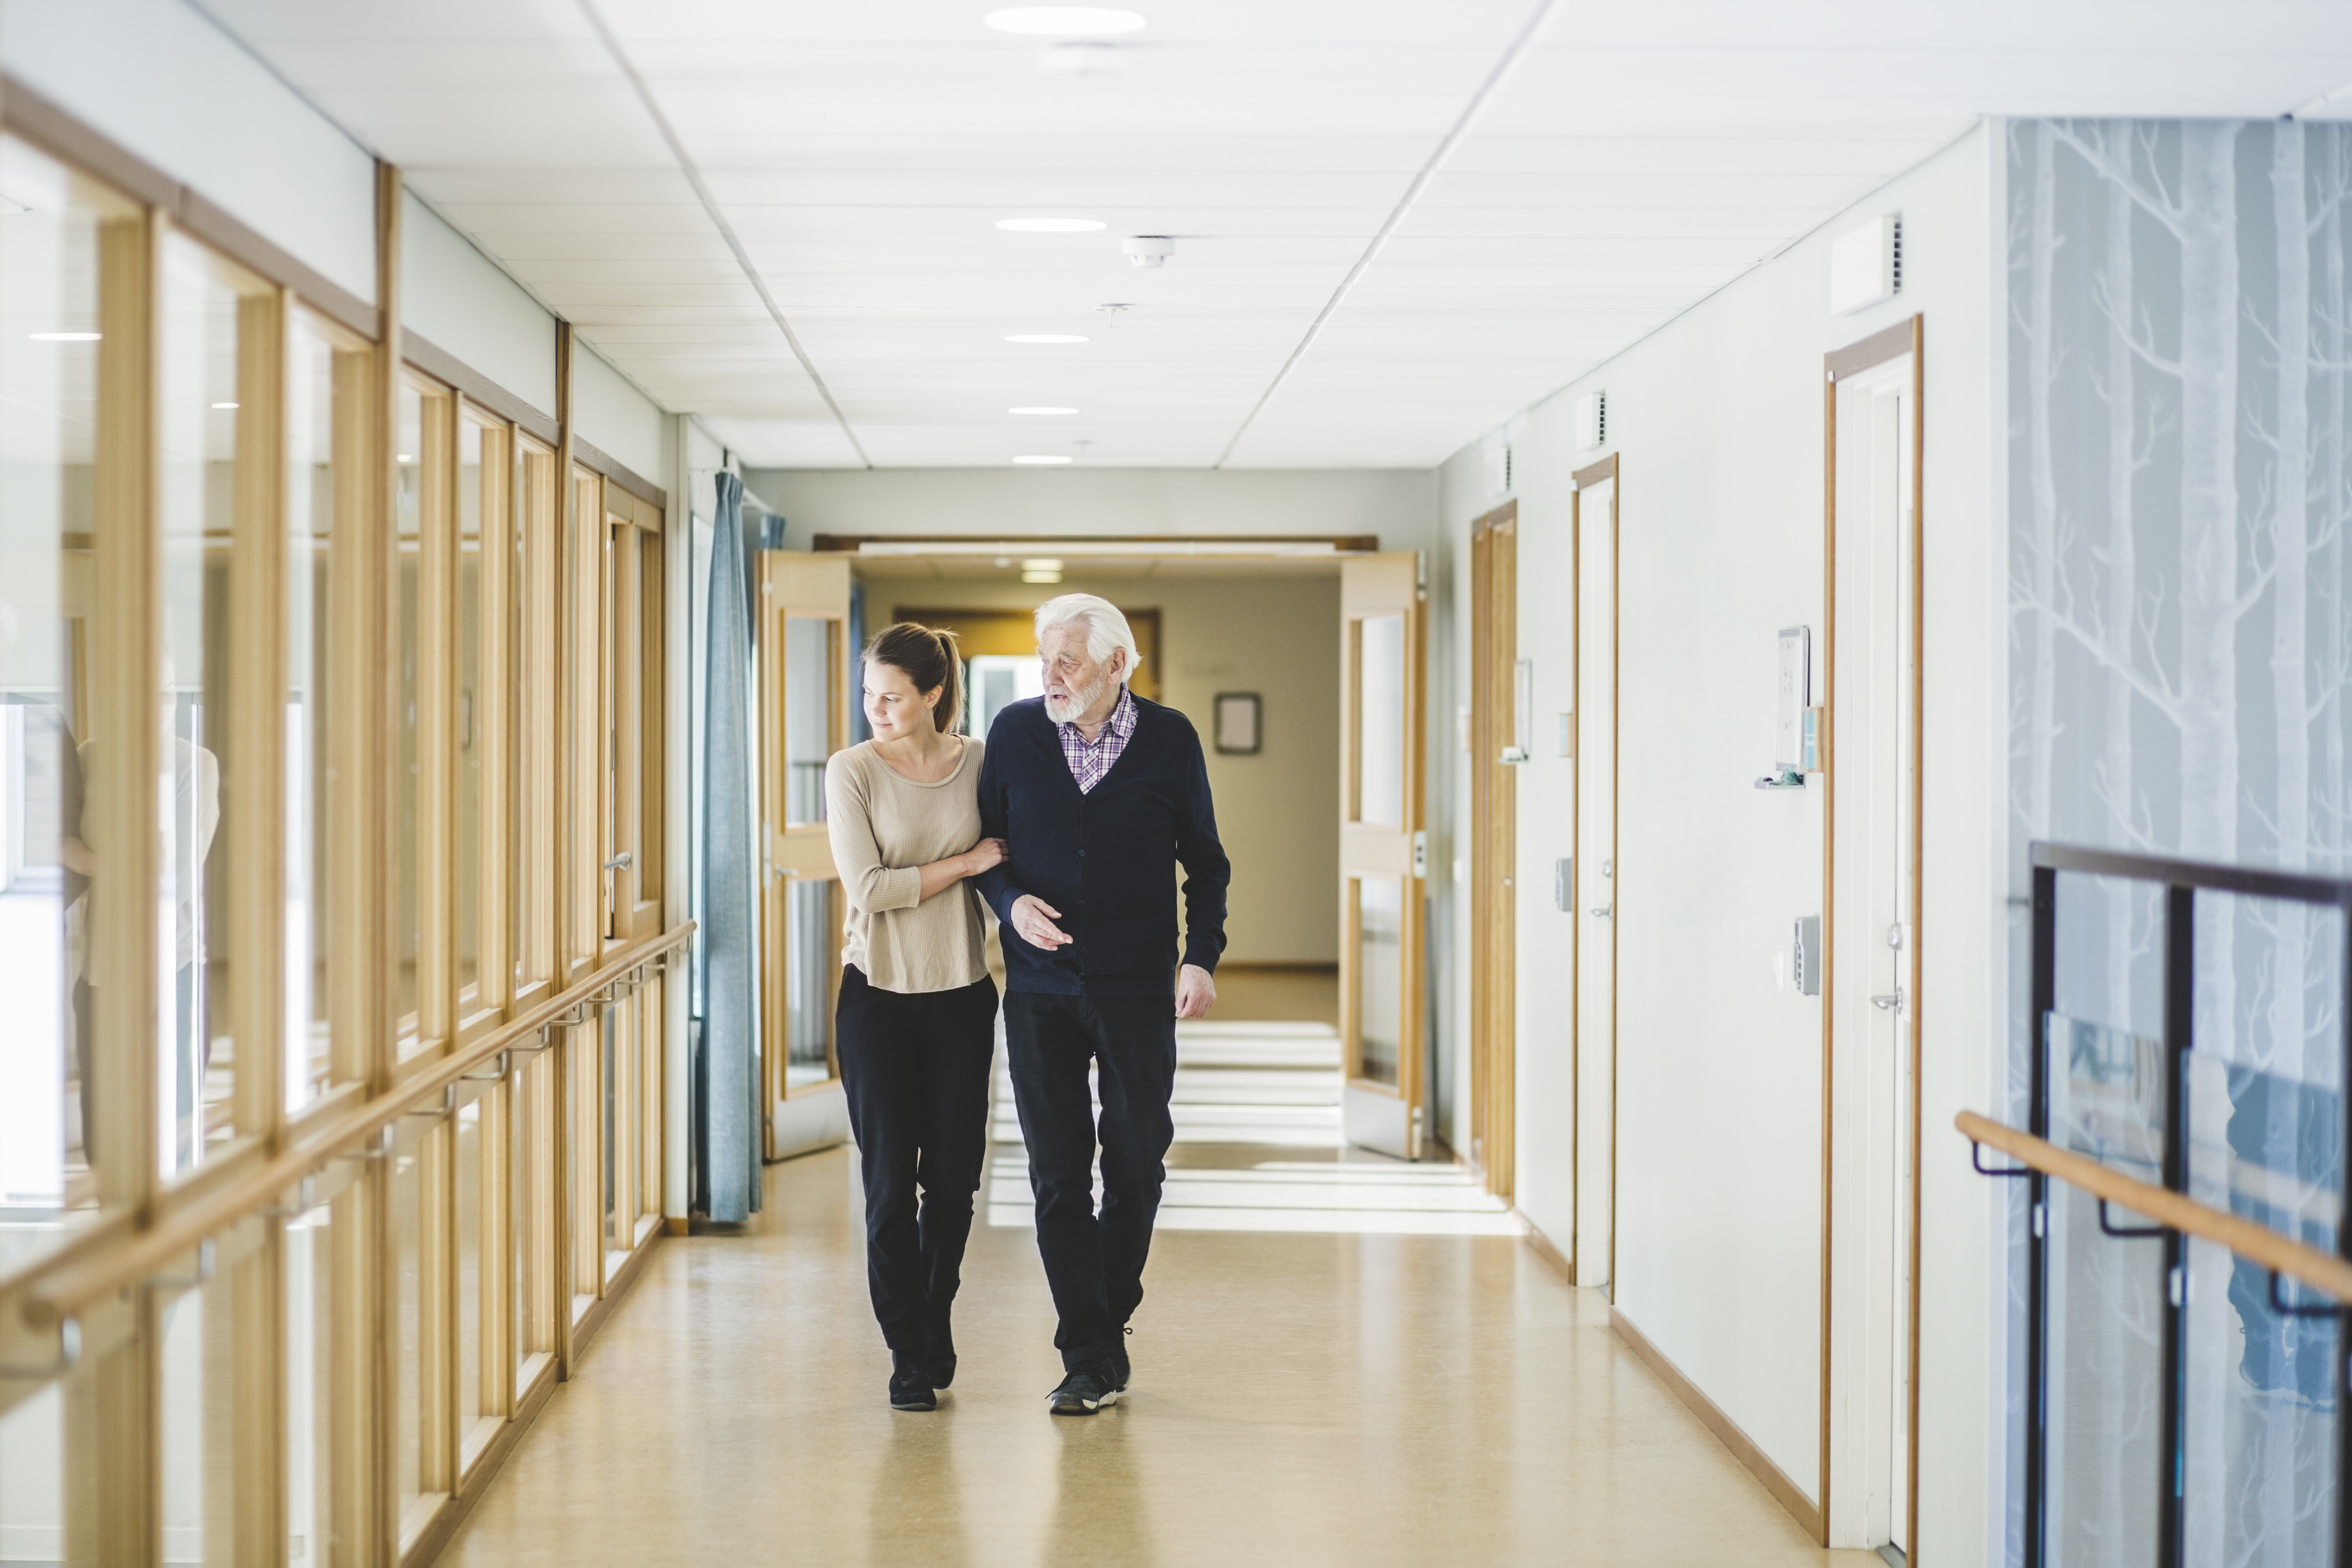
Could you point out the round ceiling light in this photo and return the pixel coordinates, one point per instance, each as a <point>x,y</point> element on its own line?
<point>1047,411</point>
<point>1043,462</point>
<point>1049,225</point>
<point>1047,338</point>
<point>1064,21</point>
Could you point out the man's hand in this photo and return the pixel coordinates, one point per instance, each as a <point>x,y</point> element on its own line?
<point>1196,991</point>
<point>1034,918</point>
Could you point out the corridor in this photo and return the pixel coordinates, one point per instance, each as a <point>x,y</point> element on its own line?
<point>1299,1399</point>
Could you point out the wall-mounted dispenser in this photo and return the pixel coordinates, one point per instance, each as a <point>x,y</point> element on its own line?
<point>1563,884</point>
<point>1796,722</point>
<point>1807,957</point>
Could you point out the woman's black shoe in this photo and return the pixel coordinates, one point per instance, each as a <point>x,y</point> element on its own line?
<point>910,1386</point>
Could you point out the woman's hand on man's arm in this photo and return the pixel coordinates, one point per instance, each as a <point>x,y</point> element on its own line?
<point>941,875</point>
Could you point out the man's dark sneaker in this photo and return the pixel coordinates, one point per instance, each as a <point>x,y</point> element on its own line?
<point>1082,1393</point>
<point>910,1386</point>
<point>938,1362</point>
<point>1119,1368</point>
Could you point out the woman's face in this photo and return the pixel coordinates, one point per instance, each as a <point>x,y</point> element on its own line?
<point>893,707</point>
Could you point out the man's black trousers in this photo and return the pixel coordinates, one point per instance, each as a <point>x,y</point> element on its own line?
<point>1094,1265</point>
<point>914,1066</point>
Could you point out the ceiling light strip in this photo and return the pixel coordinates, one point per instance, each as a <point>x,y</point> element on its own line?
<point>1518,46</point>
<point>726,230</point>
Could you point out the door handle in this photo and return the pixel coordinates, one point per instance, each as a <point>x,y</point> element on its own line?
<point>620,862</point>
<point>1890,1003</point>
<point>1603,911</point>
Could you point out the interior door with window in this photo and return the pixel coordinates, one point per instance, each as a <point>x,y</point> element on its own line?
<point>1381,852</point>
<point>805,658</point>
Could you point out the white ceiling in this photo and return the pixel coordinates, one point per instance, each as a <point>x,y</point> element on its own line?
<point>1637,157</point>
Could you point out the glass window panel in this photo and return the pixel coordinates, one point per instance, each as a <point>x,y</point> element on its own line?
<point>197,372</point>
<point>316,416</point>
<point>814,928</point>
<point>2107,1301</point>
<point>198,1420</point>
<point>2260,1387</point>
<point>310,1381</point>
<point>532,610</point>
<point>50,229</point>
<point>408,1340</point>
<point>1379,977</point>
<point>478,456</point>
<point>32,1476</point>
<point>994,681</point>
<point>1379,721</point>
<point>470,1192</point>
<point>408,515</point>
<point>808,714</point>
<point>531,1213</point>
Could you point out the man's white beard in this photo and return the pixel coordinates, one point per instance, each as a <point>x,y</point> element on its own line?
<point>1062,710</point>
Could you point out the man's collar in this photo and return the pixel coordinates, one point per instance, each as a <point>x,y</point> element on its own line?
<point>1120,721</point>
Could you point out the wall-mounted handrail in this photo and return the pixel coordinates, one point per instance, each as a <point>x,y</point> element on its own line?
<point>2258,1244</point>
<point>56,1295</point>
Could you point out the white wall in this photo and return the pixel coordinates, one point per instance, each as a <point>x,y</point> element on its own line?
<point>610,413</point>
<point>157,77</point>
<point>461,302</point>
<point>1718,422</point>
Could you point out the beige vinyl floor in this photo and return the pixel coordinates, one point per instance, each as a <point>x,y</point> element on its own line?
<point>1299,1398</point>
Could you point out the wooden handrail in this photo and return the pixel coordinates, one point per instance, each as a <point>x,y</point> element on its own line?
<point>78,1281</point>
<point>2257,1244</point>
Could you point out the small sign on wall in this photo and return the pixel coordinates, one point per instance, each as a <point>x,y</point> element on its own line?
<point>1238,723</point>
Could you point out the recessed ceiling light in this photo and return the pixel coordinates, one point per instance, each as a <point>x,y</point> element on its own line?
<point>1041,411</point>
<point>1064,21</point>
<point>1043,564</point>
<point>1049,225</point>
<point>403,457</point>
<point>1043,462</point>
<point>223,405</point>
<point>1041,576</point>
<point>1047,338</point>
<point>64,337</point>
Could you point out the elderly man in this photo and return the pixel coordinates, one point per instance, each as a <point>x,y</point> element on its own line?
<point>1098,795</point>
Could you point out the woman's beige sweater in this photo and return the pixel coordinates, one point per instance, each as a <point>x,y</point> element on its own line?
<point>884,828</point>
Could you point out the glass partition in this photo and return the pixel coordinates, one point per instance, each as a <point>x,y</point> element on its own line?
<point>49,333</point>
<point>1377,930</point>
<point>1377,769</point>
<point>407,649</point>
<point>809,702</point>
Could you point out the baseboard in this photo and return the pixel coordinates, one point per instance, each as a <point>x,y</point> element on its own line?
<point>1743,1449</point>
<point>1561,1263</point>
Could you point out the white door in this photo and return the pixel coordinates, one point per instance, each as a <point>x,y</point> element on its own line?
<point>1875,960</point>
<point>1594,870</point>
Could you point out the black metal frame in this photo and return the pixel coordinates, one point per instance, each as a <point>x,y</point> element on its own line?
<point>2182,881</point>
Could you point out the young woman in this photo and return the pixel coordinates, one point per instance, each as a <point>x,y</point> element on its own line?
<point>916,1025</point>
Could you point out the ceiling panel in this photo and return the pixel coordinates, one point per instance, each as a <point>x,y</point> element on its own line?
<point>1635,159</point>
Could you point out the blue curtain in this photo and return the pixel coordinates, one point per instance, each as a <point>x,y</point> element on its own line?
<point>729,1153</point>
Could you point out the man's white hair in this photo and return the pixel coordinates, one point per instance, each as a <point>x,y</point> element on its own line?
<point>1107,628</point>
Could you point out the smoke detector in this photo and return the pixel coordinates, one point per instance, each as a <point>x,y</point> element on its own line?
<point>1148,249</point>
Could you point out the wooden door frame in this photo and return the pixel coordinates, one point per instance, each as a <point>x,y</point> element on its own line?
<point>1494,841</point>
<point>1593,474</point>
<point>1906,337</point>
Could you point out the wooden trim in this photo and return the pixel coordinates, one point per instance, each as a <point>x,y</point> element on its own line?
<point>1494,804</point>
<point>2256,1243</point>
<point>1918,587</point>
<point>1867,353</point>
<point>448,368</point>
<point>1340,544</point>
<point>1605,472</point>
<point>1829,904</point>
<point>27,112</point>
<point>1593,473</point>
<point>614,471</point>
<point>436,1536</point>
<point>1785,1491</point>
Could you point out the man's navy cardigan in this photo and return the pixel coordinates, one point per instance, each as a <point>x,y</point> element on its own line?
<point>1105,859</point>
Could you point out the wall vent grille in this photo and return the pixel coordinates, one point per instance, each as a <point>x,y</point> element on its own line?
<point>1894,262</point>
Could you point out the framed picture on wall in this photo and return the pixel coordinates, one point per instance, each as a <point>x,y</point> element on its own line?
<point>1238,725</point>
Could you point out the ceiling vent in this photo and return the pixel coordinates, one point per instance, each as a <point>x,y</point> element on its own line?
<point>1866,265</point>
<point>1592,421</point>
<point>1497,457</point>
<point>1148,249</point>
